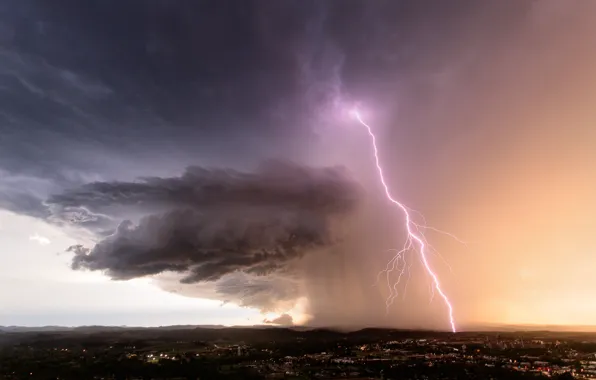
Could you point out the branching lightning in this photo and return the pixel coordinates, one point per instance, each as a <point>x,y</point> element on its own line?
<point>415,241</point>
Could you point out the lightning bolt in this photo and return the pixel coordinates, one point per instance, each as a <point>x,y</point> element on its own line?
<point>414,237</point>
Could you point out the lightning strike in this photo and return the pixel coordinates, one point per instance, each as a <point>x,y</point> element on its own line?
<point>415,239</point>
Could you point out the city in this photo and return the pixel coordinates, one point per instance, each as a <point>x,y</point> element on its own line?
<point>284,353</point>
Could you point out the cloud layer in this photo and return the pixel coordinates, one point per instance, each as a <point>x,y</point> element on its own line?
<point>214,225</point>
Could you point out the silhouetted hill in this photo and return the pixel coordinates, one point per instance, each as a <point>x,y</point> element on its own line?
<point>101,328</point>
<point>98,335</point>
<point>33,329</point>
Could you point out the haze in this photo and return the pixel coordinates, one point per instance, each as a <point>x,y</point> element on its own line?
<point>195,162</point>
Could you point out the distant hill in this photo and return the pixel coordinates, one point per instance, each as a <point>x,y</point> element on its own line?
<point>16,329</point>
<point>96,336</point>
<point>34,329</point>
<point>470,328</point>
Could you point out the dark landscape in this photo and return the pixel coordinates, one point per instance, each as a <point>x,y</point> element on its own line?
<point>262,352</point>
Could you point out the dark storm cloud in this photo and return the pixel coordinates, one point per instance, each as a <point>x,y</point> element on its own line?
<point>94,94</point>
<point>205,246</point>
<point>89,107</point>
<point>171,82</point>
<point>216,222</point>
<point>275,184</point>
<point>164,81</point>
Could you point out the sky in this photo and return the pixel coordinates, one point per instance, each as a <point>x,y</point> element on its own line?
<point>196,162</point>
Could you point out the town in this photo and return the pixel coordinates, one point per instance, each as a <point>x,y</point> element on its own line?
<point>281,353</point>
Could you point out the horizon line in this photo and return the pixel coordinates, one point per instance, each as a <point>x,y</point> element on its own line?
<point>469,329</point>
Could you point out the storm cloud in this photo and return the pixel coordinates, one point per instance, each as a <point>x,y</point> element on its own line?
<point>210,224</point>
<point>483,113</point>
<point>275,184</point>
<point>207,245</point>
